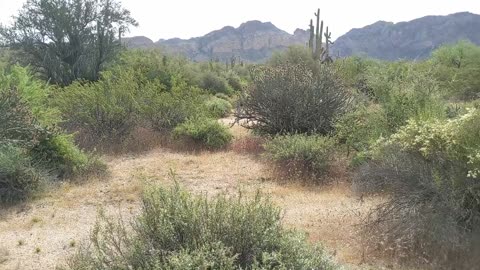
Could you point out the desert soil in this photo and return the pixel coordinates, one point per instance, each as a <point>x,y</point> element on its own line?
<point>43,233</point>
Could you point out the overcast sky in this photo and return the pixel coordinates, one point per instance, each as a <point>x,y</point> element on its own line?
<point>184,19</point>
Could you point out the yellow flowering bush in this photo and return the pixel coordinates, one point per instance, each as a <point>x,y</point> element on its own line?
<point>456,139</point>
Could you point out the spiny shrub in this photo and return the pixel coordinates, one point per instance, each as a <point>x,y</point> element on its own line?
<point>207,132</point>
<point>293,99</point>
<point>429,170</point>
<point>301,153</point>
<point>214,83</point>
<point>218,107</point>
<point>176,230</point>
<point>19,177</point>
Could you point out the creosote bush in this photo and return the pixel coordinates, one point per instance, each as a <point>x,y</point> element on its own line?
<point>207,132</point>
<point>301,153</point>
<point>176,230</point>
<point>293,99</point>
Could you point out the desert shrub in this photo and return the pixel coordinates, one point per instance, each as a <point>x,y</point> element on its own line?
<point>205,131</point>
<point>294,55</point>
<point>354,70</point>
<point>106,110</point>
<point>234,81</point>
<point>28,124</point>
<point>17,123</point>
<point>293,99</point>
<point>406,91</point>
<point>165,110</point>
<point>362,127</point>
<point>176,230</point>
<point>218,107</point>
<point>456,67</point>
<point>214,83</point>
<point>222,96</point>
<point>430,170</point>
<point>310,154</point>
<point>58,153</point>
<point>19,177</point>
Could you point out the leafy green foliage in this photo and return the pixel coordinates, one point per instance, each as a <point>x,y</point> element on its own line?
<point>206,131</point>
<point>30,142</point>
<point>311,154</point>
<point>218,107</point>
<point>19,177</point>
<point>165,110</point>
<point>176,230</point>
<point>214,83</point>
<point>457,67</point>
<point>406,91</point>
<point>362,127</point>
<point>104,110</point>
<point>293,99</point>
<point>68,40</point>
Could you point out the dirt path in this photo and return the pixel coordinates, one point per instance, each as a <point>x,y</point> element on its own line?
<point>41,234</point>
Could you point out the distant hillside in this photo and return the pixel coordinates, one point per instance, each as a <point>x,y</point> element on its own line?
<point>253,41</point>
<point>409,40</point>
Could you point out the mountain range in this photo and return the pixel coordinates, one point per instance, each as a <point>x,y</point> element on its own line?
<point>255,41</point>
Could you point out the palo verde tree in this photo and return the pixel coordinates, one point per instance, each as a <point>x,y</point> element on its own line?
<point>65,40</point>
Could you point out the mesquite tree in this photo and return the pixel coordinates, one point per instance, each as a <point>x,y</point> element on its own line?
<point>65,40</point>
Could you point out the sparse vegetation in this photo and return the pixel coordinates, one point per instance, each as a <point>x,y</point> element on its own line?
<point>300,154</point>
<point>176,230</point>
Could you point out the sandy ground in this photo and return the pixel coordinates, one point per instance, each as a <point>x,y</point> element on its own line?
<point>41,234</point>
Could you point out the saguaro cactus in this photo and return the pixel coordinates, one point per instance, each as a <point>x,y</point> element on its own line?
<point>328,40</point>
<point>315,43</point>
<point>312,36</point>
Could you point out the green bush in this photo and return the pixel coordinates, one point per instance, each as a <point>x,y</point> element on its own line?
<point>362,127</point>
<point>456,67</point>
<point>293,99</point>
<point>165,110</point>
<point>17,123</point>
<point>218,107</point>
<point>19,178</point>
<point>105,110</point>
<point>234,81</point>
<point>310,153</point>
<point>30,142</point>
<point>214,83</point>
<point>58,153</point>
<point>207,132</point>
<point>176,230</point>
<point>406,91</point>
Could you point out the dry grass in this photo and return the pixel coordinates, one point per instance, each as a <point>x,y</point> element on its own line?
<point>329,214</point>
